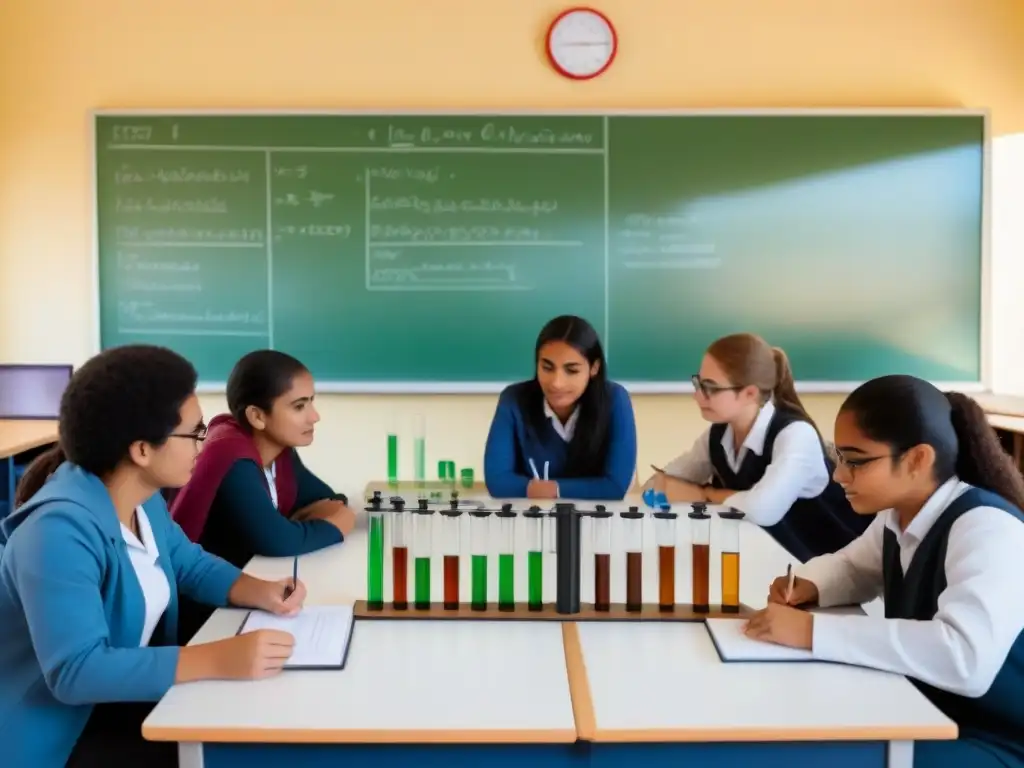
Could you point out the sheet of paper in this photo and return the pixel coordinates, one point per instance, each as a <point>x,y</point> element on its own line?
<point>734,645</point>
<point>321,633</point>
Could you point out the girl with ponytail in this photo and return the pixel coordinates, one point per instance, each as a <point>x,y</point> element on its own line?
<point>944,551</point>
<point>763,454</point>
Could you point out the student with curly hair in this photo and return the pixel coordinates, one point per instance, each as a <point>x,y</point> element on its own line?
<point>91,567</point>
<point>944,550</point>
<point>251,494</point>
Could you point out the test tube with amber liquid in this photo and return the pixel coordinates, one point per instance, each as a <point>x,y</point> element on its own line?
<point>423,535</point>
<point>730,536</point>
<point>479,543</point>
<point>665,534</point>
<point>401,535</point>
<point>451,520</point>
<point>633,540</point>
<point>700,533</point>
<point>535,557</point>
<point>602,532</point>
<point>506,558</point>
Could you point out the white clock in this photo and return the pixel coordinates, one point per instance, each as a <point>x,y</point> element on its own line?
<point>581,43</point>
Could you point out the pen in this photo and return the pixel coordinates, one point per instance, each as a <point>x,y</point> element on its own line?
<point>533,468</point>
<point>295,579</point>
<point>789,587</point>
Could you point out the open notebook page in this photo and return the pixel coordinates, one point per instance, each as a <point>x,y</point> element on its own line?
<point>322,634</point>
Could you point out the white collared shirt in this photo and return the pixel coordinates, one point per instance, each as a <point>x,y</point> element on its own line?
<point>271,473</point>
<point>797,470</point>
<point>564,431</point>
<point>980,613</point>
<point>143,553</point>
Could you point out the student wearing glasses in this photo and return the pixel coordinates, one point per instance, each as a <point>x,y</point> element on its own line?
<point>92,567</point>
<point>763,454</point>
<point>944,550</point>
<point>251,494</point>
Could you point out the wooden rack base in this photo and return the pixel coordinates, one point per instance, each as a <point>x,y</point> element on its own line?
<point>522,612</point>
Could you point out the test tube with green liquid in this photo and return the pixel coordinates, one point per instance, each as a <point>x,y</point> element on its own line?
<point>479,541</point>
<point>535,557</point>
<point>506,558</point>
<point>423,530</point>
<point>420,450</point>
<point>375,555</point>
<point>393,457</point>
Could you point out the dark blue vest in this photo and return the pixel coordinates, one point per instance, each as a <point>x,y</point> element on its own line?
<point>997,717</point>
<point>811,527</point>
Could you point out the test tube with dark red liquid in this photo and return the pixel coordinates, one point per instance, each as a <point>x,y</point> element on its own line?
<point>633,540</point>
<point>665,534</point>
<point>602,532</point>
<point>401,534</point>
<point>700,533</point>
<point>730,536</point>
<point>451,521</point>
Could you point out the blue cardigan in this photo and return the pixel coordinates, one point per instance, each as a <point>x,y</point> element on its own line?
<point>512,442</point>
<point>71,614</point>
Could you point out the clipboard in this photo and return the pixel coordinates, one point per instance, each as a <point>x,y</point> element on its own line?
<point>323,635</point>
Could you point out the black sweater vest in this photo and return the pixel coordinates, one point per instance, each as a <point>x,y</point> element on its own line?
<point>811,527</point>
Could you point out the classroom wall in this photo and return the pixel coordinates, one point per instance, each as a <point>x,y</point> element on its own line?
<point>61,58</point>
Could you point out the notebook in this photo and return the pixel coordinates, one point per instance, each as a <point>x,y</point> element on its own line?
<point>733,644</point>
<point>322,634</point>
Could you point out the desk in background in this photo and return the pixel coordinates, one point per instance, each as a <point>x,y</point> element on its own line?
<point>20,442</point>
<point>507,691</point>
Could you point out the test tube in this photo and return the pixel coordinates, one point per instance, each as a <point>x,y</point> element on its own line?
<point>466,477</point>
<point>479,536</point>
<point>731,560</point>
<point>535,557</point>
<point>393,457</point>
<point>700,526</point>
<point>665,533</point>
<point>634,544</point>
<point>452,549</point>
<point>602,531</point>
<point>400,535</point>
<point>375,555</point>
<point>422,542</point>
<point>420,450</point>
<point>506,558</point>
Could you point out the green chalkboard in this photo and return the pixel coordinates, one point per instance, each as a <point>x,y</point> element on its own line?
<point>424,252</point>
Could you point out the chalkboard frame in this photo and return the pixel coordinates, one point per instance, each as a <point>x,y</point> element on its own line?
<point>634,387</point>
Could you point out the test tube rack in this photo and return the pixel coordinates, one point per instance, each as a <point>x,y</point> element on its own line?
<point>422,518</point>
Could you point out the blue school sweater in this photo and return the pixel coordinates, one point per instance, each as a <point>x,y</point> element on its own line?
<point>512,442</point>
<point>72,611</point>
<point>996,718</point>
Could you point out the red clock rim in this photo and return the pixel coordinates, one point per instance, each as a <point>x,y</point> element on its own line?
<point>551,30</point>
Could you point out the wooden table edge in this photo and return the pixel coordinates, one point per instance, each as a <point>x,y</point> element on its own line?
<point>256,735</point>
<point>579,682</point>
<point>727,734</point>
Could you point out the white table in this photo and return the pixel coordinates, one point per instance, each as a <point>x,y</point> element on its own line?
<point>537,685</point>
<point>664,682</point>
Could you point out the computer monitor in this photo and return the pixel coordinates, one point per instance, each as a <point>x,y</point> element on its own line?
<point>32,391</point>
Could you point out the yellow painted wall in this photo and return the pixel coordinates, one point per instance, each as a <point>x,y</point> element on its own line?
<point>61,58</point>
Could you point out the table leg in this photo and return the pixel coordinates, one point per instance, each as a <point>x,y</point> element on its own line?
<point>900,755</point>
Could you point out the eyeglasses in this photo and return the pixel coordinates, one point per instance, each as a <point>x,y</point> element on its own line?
<point>198,436</point>
<point>860,461</point>
<point>709,388</point>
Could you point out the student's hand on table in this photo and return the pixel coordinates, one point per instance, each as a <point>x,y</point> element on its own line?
<point>542,489</point>
<point>682,490</point>
<point>272,596</point>
<point>254,655</point>
<point>342,518</point>
<point>783,625</point>
<point>805,592</point>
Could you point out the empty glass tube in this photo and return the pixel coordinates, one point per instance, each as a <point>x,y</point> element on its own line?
<point>535,557</point>
<point>451,525</point>
<point>730,536</point>
<point>602,544</point>
<point>700,535</point>
<point>423,546</point>
<point>633,540</point>
<point>665,534</point>
<point>401,538</point>
<point>506,558</point>
<point>480,547</point>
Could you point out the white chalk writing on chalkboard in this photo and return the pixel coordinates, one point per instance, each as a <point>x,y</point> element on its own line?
<point>312,198</point>
<point>342,231</point>
<point>213,205</point>
<point>391,173</point>
<point>187,236</point>
<point>403,232</point>
<point>479,205</point>
<point>128,174</point>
